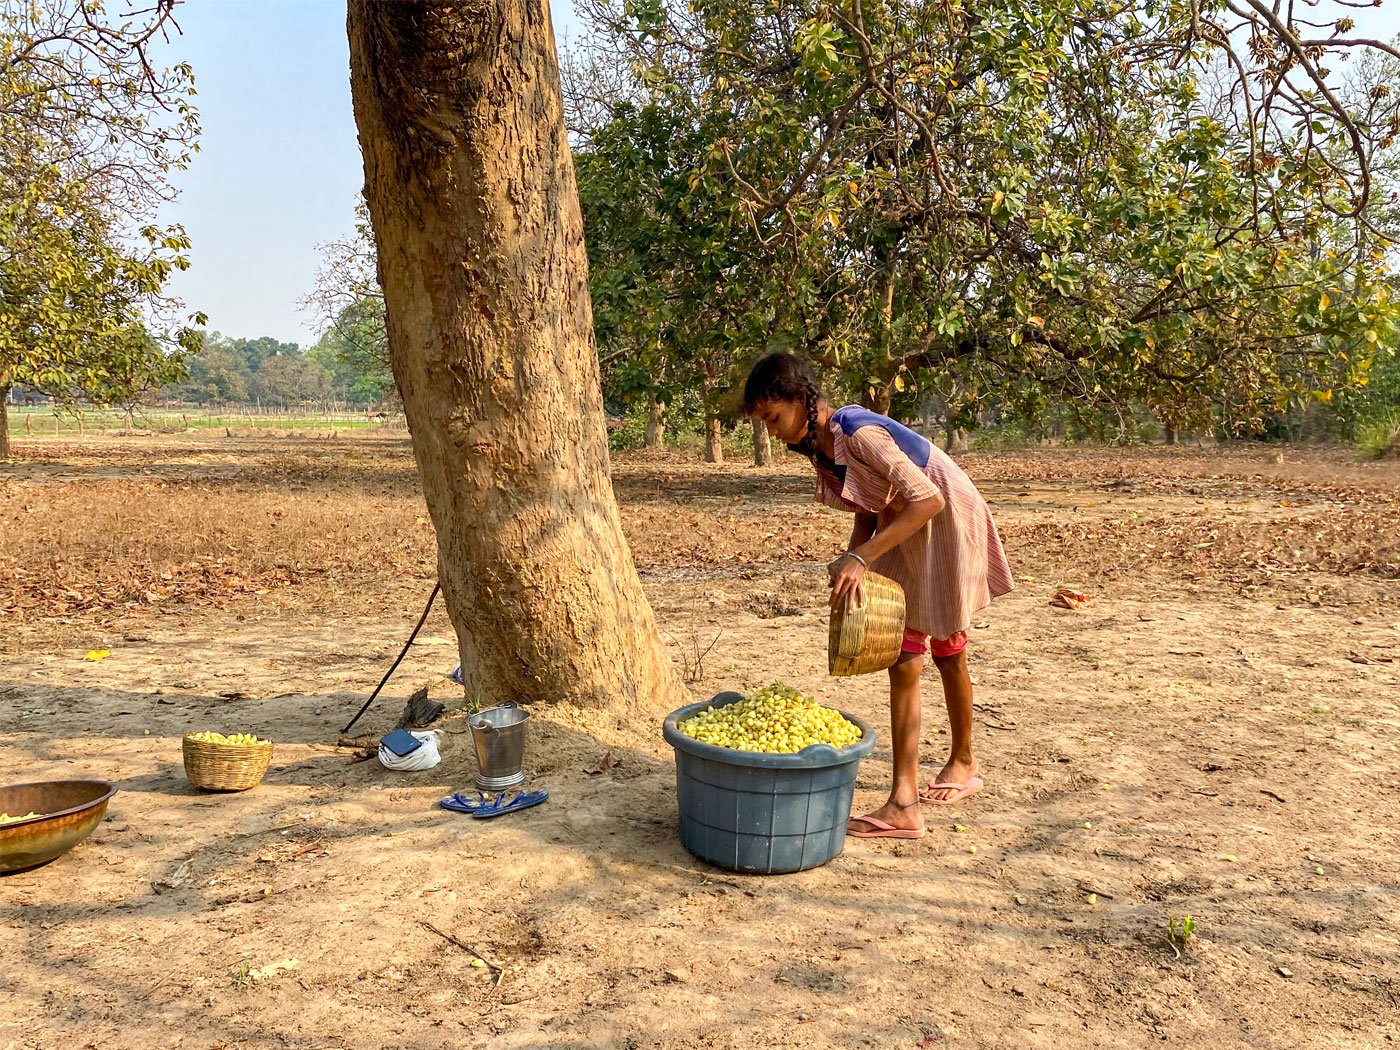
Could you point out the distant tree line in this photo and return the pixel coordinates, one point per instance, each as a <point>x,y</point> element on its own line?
<point>276,374</point>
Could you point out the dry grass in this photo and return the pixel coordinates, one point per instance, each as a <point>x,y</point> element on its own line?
<point>103,544</point>
<point>107,525</point>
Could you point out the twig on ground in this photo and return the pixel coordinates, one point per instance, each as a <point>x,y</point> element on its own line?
<point>497,973</point>
<point>153,987</point>
<point>266,831</point>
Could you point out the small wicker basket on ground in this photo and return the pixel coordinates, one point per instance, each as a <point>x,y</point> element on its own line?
<point>225,767</point>
<point>867,637</point>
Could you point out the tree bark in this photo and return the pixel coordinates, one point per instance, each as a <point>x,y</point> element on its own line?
<point>1171,434</point>
<point>879,401</point>
<point>4,421</point>
<point>955,441</point>
<point>762,444</point>
<point>714,440</point>
<point>471,191</point>
<point>656,423</point>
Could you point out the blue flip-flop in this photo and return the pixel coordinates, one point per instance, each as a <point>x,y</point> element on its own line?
<point>459,803</point>
<point>506,802</point>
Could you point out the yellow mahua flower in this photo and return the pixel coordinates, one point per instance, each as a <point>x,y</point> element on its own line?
<point>776,719</point>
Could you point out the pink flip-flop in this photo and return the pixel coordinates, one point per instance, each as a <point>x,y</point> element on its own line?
<point>959,792</point>
<point>883,830</point>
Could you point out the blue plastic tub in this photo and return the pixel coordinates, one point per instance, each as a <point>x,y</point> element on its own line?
<point>756,812</point>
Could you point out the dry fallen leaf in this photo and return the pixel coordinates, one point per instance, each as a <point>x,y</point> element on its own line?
<point>1068,599</point>
<point>602,765</point>
<point>261,973</point>
<point>181,876</point>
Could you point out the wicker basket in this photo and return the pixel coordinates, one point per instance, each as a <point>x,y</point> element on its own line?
<point>225,767</point>
<point>867,637</point>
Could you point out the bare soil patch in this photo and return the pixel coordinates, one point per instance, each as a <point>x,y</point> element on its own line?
<point>1215,735</point>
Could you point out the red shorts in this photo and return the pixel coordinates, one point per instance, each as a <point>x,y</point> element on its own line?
<point>918,642</point>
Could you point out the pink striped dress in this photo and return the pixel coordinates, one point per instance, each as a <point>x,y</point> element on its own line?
<point>955,564</point>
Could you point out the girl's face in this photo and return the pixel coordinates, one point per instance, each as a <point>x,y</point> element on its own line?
<point>785,420</point>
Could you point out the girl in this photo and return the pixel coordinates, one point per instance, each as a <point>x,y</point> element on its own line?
<point>921,522</point>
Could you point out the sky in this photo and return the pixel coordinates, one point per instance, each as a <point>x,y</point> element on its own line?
<point>279,167</point>
<point>279,163</point>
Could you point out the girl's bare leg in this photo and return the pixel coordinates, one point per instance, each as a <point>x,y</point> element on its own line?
<point>957,694</point>
<point>902,809</point>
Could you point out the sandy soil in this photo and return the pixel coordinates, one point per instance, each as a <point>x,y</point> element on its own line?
<point>1215,735</point>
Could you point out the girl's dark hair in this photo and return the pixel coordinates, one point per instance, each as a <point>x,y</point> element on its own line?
<point>783,377</point>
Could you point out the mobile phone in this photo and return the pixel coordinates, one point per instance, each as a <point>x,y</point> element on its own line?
<point>401,742</point>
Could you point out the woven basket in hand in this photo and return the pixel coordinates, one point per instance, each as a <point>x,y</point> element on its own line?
<point>867,637</point>
<point>225,767</point>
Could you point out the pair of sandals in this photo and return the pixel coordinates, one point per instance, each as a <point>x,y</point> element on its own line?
<point>882,830</point>
<point>482,807</point>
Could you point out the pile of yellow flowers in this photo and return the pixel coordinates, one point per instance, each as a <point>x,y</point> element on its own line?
<point>5,818</point>
<point>776,719</point>
<point>242,739</point>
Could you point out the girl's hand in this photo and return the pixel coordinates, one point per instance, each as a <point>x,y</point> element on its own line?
<point>845,573</point>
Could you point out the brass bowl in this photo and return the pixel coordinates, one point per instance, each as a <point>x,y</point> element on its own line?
<point>68,811</point>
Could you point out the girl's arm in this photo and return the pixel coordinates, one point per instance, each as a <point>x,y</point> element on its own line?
<point>846,571</point>
<point>862,529</point>
<point>911,518</point>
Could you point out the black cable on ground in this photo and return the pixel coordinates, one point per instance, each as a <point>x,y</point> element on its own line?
<point>421,620</point>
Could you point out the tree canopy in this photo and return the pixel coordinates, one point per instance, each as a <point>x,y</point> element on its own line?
<point>1178,206</point>
<point>89,133</point>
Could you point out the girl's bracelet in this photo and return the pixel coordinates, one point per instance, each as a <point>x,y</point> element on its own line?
<point>857,557</point>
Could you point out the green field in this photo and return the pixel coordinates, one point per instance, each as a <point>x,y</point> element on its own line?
<point>39,421</point>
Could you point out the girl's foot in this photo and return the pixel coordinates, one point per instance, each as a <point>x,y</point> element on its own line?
<point>907,818</point>
<point>958,779</point>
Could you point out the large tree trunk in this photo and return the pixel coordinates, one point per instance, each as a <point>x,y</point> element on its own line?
<point>4,421</point>
<point>1171,434</point>
<point>471,191</point>
<point>762,444</point>
<point>656,423</point>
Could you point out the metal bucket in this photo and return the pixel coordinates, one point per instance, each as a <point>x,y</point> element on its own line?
<point>498,734</point>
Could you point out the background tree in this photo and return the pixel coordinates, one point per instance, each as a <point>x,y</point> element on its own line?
<point>218,373</point>
<point>354,377</point>
<point>679,303</point>
<point>1114,205</point>
<point>283,380</point>
<point>471,191</point>
<point>348,306</point>
<point>89,131</point>
<point>76,303</point>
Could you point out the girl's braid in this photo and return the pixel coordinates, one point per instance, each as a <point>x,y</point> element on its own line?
<point>808,444</point>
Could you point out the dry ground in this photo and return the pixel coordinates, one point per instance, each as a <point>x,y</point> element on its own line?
<point>1214,735</point>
